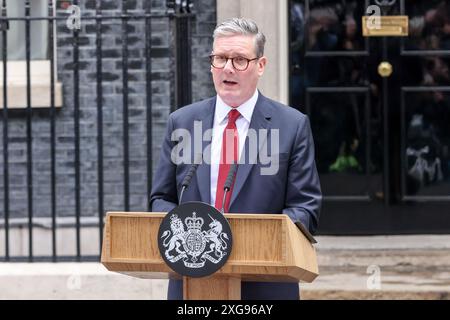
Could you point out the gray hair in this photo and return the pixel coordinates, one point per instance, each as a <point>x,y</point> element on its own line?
<point>241,26</point>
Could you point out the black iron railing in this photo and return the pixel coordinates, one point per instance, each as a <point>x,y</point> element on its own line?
<point>179,15</point>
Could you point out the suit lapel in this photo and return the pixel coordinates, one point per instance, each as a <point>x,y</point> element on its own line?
<point>260,120</point>
<point>204,169</point>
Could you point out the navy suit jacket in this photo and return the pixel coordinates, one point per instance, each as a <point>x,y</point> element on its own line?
<point>293,190</point>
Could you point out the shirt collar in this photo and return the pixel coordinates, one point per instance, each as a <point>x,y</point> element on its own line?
<point>245,109</point>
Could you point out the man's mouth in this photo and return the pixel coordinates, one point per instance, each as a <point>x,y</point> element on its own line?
<point>229,83</point>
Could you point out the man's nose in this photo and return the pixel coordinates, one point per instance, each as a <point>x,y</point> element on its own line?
<point>229,66</point>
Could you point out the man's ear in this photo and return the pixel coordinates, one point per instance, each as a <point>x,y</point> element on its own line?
<point>261,65</point>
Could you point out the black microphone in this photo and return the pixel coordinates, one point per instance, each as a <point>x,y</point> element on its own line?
<point>228,182</point>
<point>189,175</point>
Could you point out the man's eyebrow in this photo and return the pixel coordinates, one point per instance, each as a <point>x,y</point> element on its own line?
<point>234,54</point>
<point>230,55</point>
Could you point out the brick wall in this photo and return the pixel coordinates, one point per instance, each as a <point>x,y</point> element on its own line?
<point>162,98</point>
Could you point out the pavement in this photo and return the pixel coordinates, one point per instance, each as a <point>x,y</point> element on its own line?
<point>382,267</point>
<point>372,267</point>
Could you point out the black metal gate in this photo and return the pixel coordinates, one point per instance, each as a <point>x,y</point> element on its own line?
<point>178,17</point>
<point>379,109</point>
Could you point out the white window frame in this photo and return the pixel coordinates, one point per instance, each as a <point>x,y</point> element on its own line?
<point>39,80</point>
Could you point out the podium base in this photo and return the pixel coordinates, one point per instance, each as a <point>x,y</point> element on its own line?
<point>212,288</point>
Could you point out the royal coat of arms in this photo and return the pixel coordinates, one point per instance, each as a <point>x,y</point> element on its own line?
<point>195,239</point>
<point>194,245</point>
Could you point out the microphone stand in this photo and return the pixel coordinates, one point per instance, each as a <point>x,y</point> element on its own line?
<point>189,175</point>
<point>227,185</point>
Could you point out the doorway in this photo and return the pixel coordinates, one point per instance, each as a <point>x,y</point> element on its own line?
<point>380,113</point>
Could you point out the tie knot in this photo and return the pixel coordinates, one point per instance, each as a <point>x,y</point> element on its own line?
<point>233,115</point>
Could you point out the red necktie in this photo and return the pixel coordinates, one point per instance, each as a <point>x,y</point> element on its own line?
<point>228,155</point>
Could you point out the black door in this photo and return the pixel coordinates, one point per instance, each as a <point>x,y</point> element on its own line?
<point>380,113</point>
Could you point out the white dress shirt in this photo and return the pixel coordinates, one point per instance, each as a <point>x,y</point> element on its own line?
<point>220,122</point>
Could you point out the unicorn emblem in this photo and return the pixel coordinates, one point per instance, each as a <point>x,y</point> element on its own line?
<point>216,236</point>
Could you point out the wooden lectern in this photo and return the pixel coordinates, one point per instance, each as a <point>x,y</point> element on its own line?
<point>266,247</point>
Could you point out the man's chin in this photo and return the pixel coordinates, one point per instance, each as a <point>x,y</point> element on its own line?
<point>234,98</point>
<point>230,99</point>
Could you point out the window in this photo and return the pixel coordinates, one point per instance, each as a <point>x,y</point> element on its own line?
<point>16,32</point>
<point>16,55</point>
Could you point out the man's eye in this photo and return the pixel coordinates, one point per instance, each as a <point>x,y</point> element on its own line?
<point>220,59</point>
<point>239,60</point>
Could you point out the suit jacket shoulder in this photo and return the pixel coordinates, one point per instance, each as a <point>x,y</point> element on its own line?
<point>283,111</point>
<point>191,112</point>
<point>283,117</point>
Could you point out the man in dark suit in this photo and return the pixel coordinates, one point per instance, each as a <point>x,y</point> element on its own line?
<point>276,172</point>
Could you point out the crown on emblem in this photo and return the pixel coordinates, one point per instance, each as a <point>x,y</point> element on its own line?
<point>194,222</point>
<point>174,217</point>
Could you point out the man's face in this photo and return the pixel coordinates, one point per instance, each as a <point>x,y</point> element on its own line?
<point>233,86</point>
